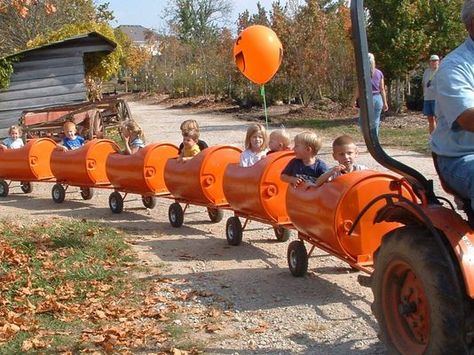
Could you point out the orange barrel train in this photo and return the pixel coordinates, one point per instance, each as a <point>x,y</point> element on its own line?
<point>83,167</point>
<point>199,182</point>
<point>339,217</point>
<point>26,164</point>
<point>141,173</point>
<point>258,193</point>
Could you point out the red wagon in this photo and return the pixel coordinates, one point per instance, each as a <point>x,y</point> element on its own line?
<point>258,193</point>
<point>199,181</point>
<point>141,173</point>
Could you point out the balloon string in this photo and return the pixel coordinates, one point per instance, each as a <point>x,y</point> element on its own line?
<point>262,92</point>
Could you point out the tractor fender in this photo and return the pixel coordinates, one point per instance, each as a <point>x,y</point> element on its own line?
<point>438,219</point>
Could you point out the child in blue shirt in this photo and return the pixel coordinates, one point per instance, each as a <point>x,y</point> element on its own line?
<point>71,141</point>
<point>305,169</point>
<point>14,141</point>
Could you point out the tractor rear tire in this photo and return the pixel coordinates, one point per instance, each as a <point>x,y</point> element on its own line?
<point>419,297</point>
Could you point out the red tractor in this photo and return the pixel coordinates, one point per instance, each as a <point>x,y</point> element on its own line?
<point>423,278</point>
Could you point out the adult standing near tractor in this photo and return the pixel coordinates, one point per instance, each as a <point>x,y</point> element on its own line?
<point>378,92</point>
<point>453,138</point>
<point>429,92</point>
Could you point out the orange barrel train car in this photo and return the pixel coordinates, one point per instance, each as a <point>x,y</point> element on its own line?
<point>141,173</point>
<point>83,167</point>
<point>26,164</point>
<point>339,217</point>
<point>199,182</point>
<point>258,193</point>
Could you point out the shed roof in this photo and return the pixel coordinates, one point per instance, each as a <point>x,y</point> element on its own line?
<point>78,39</point>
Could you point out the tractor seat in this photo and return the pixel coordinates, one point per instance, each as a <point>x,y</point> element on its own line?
<point>462,202</point>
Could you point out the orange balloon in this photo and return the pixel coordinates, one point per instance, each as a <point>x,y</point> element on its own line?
<point>258,53</point>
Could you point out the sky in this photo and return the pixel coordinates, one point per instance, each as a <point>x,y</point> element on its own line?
<point>148,13</point>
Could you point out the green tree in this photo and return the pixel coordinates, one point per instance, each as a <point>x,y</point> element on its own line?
<point>402,33</point>
<point>23,20</point>
<point>198,20</point>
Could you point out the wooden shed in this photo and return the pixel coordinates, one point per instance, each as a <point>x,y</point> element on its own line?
<point>48,76</point>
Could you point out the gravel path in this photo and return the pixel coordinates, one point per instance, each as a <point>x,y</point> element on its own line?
<point>269,311</point>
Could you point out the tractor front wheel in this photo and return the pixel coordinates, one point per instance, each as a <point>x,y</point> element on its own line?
<point>419,299</point>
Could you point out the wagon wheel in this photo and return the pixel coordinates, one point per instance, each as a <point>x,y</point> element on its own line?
<point>123,111</point>
<point>297,257</point>
<point>96,126</point>
<point>418,296</point>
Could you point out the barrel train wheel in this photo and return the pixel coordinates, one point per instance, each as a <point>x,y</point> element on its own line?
<point>116,202</point>
<point>419,298</point>
<point>282,234</point>
<point>215,214</point>
<point>233,231</point>
<point>87,193</point>
<point>176,215</point>
<point>149,201</point>
<point>4,188</point>
<point>58,193</point>
<point>26,187</point>
<point>297,257</point>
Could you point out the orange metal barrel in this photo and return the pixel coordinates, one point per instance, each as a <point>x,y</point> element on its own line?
<point>84,166</point>
<point>200,179</point>
<point>29,163</point>
<point>143,172</point>
<point>327,213</point>
<point>258,191</point>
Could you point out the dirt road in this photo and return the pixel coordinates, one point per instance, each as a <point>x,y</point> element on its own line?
<point>326,312</point>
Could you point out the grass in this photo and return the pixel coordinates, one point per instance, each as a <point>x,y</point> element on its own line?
<point>406,138</point>
<point>65,284</point>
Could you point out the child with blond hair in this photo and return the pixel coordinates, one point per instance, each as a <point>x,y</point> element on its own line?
<point>188,125</point>
<point>132,135</point>
<point>14,140</point>
<point>190,145</point>
<point>306,167</point>
<point>279,140</point>
<point>256,145</point>
<point>71,141</point>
